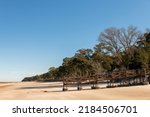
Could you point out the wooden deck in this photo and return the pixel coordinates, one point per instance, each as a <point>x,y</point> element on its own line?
<point>114,79</point>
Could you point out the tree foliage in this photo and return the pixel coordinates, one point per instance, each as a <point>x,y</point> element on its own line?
<point>117,48</point>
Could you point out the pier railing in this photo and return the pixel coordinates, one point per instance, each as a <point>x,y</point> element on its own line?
<point>113,79</point>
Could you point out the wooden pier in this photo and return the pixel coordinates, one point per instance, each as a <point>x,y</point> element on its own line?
<point>114,79</point>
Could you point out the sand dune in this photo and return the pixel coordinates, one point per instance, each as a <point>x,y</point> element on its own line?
<point>53,91</point>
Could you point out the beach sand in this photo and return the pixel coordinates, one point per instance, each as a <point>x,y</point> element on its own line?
<point>53,91</point>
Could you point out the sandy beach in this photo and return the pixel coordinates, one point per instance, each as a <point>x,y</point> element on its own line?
<point>53,91</point>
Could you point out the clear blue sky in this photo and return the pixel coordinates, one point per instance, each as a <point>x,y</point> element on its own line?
<point>38,34</point>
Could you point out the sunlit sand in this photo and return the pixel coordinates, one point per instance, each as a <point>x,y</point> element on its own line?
<point>53,91</point>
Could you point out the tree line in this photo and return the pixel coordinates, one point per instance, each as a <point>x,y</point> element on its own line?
<point>117,48</point>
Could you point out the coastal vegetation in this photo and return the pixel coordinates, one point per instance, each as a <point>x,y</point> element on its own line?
<point>117,48</point>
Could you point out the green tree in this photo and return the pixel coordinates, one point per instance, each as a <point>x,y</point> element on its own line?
<point>144,49</point>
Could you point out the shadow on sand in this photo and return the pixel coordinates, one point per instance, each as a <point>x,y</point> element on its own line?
<point>41,87</point>
<point>75,90</point>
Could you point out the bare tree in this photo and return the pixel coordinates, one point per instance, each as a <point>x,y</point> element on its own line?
<point>128,37</point>
<point>117,41</point>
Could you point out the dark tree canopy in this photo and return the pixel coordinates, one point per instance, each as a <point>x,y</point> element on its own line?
<point>117,48</point>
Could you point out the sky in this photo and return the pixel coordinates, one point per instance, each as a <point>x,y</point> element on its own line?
<point>37,34</point>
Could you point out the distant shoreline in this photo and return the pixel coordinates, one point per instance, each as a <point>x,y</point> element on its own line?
<point>10,82</point>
